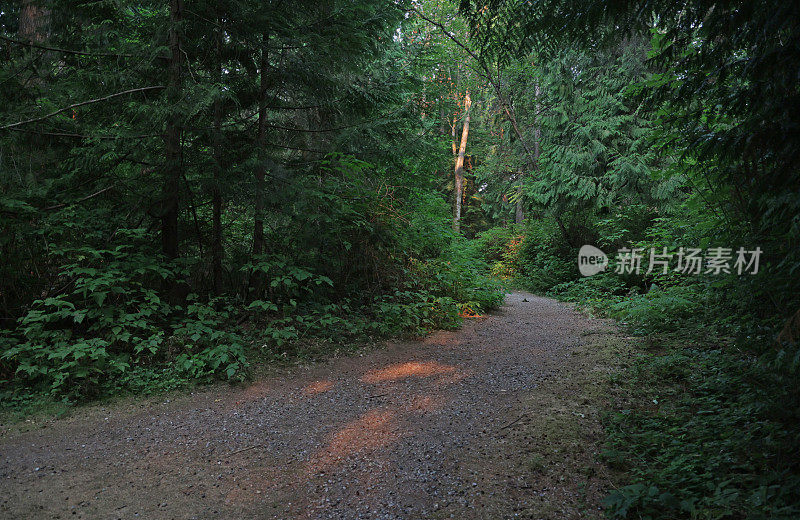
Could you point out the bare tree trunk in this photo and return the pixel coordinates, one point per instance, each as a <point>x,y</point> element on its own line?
<point>260,172</point>
<point>459,171</point>
<point>172,140</point>
<point>34,21</point>
<point>34,27</point>
<point>453,141</point>
<point>216,194</point>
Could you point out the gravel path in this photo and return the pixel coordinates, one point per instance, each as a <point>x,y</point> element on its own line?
<point>449,427</point>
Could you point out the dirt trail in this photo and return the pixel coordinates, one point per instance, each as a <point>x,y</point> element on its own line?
<point>496,420</point>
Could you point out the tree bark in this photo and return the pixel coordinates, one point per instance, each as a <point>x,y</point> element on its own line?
<point>453,140</point>
<point>459,170</point>
<point>34,21</point>
<point>172,138</point>
<point>34,27</point>
<point>216,192</point>
<point>260,172</point>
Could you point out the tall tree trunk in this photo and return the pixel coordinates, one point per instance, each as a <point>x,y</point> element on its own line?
<point>459,170</point>
<point>260,172</point>
<point>34,27</point>
<point>216,192</point>
<point>172,139</point>
<point>453,141</point>
<point>34,21</point>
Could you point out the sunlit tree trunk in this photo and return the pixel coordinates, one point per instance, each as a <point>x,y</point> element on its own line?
<point>453,140</point>
<point>459,170</point>
<point>172,138</point>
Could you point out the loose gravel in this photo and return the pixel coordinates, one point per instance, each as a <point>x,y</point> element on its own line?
<point>490,421</point>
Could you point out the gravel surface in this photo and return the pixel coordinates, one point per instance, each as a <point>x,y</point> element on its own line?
<point>454,426</point>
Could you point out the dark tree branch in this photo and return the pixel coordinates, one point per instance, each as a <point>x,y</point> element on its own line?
<point>82,103</point>
<point>65,51</point>
<point>95,194</point>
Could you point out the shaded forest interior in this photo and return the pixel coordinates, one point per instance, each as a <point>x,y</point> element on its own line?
<point>189,189</point>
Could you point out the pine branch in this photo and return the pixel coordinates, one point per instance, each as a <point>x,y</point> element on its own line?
<point>64,51</point>
<point>85,136</point>
<point>82,103</point>
<point>95,194</point>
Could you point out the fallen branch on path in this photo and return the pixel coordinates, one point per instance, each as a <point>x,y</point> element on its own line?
<point>512,423</point>
<point>244,449</point>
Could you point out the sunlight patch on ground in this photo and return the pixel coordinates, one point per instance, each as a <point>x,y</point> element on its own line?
<point>406,370</point>
<point>317,387</point>
<point>374,430</point>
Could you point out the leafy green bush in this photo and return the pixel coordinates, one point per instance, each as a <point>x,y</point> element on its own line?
<point>494,244</point>
<point>544,259</point>
<point>596,293</point>
<point>108,320</point>
<point>460,273</point>
<point>667,309</point>
<point>439,291</point>
<point>414,312</point>
<point>706,434</point>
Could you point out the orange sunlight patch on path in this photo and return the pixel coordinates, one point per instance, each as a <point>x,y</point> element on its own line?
<point>405,370</point>
<point>317,387</point>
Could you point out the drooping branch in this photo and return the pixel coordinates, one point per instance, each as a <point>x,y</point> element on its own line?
<point>65,51</point>
<point>64,205</point>
<point>447,33</point>
<point>82,103</point>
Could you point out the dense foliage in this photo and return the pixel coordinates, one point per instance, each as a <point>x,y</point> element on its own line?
<point>678,131</point>
<point>188,187</point>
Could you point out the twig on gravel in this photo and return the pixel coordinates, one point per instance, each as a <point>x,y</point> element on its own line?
<point>376,396</point>
<point>244,449</point>
<point>512,423</point>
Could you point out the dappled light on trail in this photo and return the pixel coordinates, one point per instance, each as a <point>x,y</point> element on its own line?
<point>372,431</point>
<point>406,370</point>
<point>255,391</point>
<point>317,387</point>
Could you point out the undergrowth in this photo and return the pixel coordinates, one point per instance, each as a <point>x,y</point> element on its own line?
<point>108,329</point>
<point>705,432</point>
<point>707,422</point>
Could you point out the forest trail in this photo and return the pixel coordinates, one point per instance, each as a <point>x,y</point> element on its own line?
<point>496,420</point>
